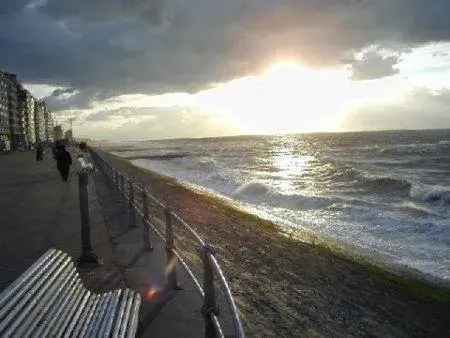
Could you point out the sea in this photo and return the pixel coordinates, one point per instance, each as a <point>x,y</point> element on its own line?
<point>386,193</point>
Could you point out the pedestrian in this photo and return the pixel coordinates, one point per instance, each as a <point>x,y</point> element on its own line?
<point>54,150</point>
<point>39,152</point>
<point>83,146</point>
<point>63,162</point>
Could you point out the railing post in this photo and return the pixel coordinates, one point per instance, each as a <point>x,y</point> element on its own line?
<point>115,180</point>
<point>122,191</point>
<point>171,271</point>
<point>145,222</point>
<point>106,171</point>
<point>209,301</point>
<point>131,210</point>
<point>87,255</point>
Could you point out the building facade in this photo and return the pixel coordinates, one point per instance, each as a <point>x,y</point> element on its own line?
<point>5,139</point>
<point>39,120</point>
<point>31,130</point>
<point>23,119</point>
<point>13,112</point>
<point>26,105</point>
<point>22,110</point>
<point>49,124</point>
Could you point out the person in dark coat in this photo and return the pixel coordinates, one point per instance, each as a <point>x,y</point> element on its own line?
<point>63,162</point>
<point>39,152</point>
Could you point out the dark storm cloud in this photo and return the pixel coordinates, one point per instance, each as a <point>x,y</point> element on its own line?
<point>79,99</point>
<point>104,48</point>
<point>150,11</point>
<point>8,7</point>
<point>60,91</point>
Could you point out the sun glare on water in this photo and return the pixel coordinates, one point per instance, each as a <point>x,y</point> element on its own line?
<point>286,98</point>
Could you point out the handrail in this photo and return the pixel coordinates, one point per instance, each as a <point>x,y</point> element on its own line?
<point>229,297</point>
<point>206,251</point>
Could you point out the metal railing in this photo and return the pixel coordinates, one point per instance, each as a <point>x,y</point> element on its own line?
<point>212,271</point>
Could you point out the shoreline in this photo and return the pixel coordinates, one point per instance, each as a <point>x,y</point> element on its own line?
<point>373,261</point>
<point>295,274</point>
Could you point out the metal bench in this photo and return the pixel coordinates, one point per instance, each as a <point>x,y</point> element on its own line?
<point>48,299</point>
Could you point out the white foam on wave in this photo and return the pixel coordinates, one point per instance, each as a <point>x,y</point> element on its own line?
<point>259,193</point>
<point>410,227</point>
<point>396,147</point>
<point>416,209</point>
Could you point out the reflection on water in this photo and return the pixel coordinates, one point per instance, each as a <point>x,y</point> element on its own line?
<point>384,191</point>
<point>289,168</point>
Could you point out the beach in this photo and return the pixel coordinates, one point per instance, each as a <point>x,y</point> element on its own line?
<point>287,287</point>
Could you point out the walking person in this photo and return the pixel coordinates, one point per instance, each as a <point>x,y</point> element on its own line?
<point>63,162</point>
<point>39,152</point>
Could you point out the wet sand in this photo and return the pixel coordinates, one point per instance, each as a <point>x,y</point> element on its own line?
<point>288,288</point>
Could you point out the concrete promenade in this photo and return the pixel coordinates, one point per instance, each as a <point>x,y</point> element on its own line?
<point>39,211</point>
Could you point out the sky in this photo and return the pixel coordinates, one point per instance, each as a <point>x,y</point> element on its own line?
<point>152,69</point>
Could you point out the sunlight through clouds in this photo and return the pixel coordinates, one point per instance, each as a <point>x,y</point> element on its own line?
<point>286,98</point>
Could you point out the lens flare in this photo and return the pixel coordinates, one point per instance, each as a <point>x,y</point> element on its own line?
<point>150,291</point>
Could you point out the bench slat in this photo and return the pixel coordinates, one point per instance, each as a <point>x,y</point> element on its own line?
<point>68,313</point>
<point>38,294</point>
<point>49,299</point>
<point>26,283</point>
<point>134,316</point>
<point>10,290</point>
<point>41,309</point>
<point>31,298</point>
<point>118,319</point>
<point>56,313</point>
<point>123,326</point>
<point>97,314</point>
<point>84,317</point>
<point>90,320</point>
<point>76,310</point>
<point>107,324</point>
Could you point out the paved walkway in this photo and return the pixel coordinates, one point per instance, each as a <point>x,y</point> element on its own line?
<point>39,211</point>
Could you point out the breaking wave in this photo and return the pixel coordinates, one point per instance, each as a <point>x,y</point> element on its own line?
<point>156,157</point>
<point>356,179</point>
<point>257,192</point>
<point>383,183</point>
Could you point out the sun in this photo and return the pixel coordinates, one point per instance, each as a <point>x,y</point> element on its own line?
<point>286,98</point>
<point>289,72</point>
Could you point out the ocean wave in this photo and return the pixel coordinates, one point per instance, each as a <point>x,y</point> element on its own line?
<point>416,209</point>
<point>259,193</point>
<point>203,165</point>
<point>383,183</point>
<point>343,173</point>
<point>395,147</point>
<point>156,157</point>
<point>358,179</point>
<point>444,142</point>
<point>430,194</point>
